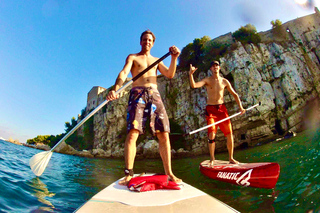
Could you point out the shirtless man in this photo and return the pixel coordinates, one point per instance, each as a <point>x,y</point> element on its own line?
<point>145,101</point>
<point>215,109</point>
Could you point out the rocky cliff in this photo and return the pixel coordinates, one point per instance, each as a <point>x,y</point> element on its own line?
<point>281,72</point>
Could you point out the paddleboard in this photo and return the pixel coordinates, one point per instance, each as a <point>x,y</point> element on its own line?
<point>259,175</point>
<point>118,198</point>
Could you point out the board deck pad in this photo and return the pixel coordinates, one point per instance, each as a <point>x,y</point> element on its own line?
<point>119,193</point>
<point>259,175</point>
<point>118,198</point>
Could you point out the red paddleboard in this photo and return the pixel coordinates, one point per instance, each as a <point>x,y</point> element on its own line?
<point>259,175</point>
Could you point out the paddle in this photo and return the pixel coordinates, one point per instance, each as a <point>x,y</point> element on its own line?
<point>205,127</point>
<point>39,162</point>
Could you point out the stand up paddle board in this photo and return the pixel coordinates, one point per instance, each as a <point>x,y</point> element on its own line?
<point>259,175</point>
<point>118,198</point>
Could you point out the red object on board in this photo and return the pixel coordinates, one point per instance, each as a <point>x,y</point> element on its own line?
<point>151,182</point>
<point>259,175</point>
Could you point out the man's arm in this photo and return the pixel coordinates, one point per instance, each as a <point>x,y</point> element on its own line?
<point>194,84</point>
<point>121,79</point>
<point>235,95</point>
<point>171,71</point>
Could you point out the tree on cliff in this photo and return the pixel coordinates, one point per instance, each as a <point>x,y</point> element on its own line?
<point>277,29</point>
<point>76,141</point>
<point>202,51</point>
<point>193,53</point>
<point>45,139</point>
<point>276,23</point>
<point>247,34</point>
<point>69,126</point>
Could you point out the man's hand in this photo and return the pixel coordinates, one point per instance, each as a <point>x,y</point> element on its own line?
<point>174,51</point>
<point>242,111</point>
<point>112,96</point>
<point>192,69</point>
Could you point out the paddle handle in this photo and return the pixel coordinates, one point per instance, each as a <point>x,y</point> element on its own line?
<point>106,101</point>
<point>210,125</point>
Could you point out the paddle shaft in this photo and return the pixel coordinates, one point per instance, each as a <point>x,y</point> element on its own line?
<point>106,101</point>
<point>210,125</point>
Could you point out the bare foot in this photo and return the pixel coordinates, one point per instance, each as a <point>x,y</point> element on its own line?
<point>174,179</point>
<point>233,161</point>
<point>125,180</point>
<point>211,163</point>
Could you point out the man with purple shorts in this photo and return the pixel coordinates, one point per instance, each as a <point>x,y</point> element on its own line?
<point>145,101</point>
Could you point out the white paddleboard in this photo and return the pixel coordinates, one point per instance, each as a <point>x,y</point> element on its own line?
<point>118,198</point>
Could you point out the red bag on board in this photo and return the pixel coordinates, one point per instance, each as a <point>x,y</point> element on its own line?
<point>151,182</point>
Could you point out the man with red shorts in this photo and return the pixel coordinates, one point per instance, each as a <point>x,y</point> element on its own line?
<point>215,109</point>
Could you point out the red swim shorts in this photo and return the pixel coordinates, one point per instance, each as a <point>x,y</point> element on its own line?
<point>216,113</point>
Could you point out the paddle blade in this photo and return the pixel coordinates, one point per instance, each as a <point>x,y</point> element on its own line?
<point>39,162</point>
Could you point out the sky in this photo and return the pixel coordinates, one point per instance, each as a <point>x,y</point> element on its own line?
<point>52,52</point>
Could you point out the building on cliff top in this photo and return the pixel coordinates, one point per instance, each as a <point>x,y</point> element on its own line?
<point>93,96</point>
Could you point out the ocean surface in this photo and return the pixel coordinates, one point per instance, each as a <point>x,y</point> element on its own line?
<point>69,181</point>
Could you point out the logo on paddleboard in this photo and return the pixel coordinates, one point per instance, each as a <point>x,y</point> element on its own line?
<point>243,180</point>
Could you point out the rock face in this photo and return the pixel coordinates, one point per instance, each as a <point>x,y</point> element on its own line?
<point>281,72</point>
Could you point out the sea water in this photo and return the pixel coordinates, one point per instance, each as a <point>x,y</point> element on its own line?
<point>69,181</point>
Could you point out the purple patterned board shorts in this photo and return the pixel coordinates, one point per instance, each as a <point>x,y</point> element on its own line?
<point>146,102</point>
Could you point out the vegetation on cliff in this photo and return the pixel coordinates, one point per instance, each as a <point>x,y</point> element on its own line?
<point>77,141</point>
<point>202,51</point>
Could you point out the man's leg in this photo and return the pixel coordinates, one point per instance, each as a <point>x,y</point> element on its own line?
<point>212,147</point>
<point>165,153</point>
<point>129,153</point>
<point>230,146</point>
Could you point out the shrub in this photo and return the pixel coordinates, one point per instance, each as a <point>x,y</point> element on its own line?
<point>193,53</point>
<point>247,34</point>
